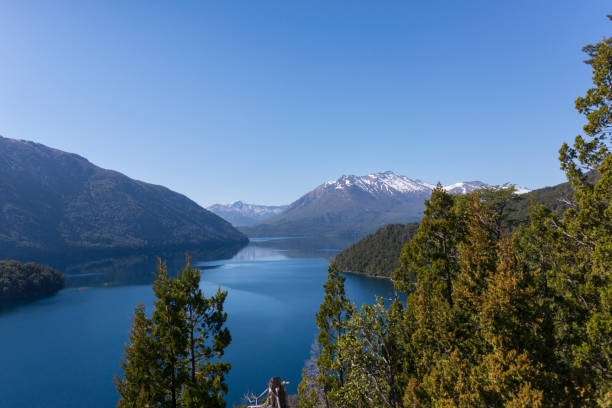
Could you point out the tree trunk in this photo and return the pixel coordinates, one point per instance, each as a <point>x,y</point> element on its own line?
<point>173,388</point>
<point>192,347</point>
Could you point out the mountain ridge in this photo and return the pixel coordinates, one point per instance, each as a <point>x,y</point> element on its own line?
<point>240,213</point>
<point>354,206</point>
<point>53,201</point>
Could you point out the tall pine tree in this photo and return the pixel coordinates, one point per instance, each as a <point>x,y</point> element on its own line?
<point>139,386</point>
<point>173,359</point>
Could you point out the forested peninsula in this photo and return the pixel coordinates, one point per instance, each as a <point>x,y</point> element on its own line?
<point>28,280</point>
<point>378,253</point>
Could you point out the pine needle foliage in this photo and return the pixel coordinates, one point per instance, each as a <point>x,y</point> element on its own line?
<point>173,357</point>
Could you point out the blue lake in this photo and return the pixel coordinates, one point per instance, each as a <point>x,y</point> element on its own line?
<point>63,351</point>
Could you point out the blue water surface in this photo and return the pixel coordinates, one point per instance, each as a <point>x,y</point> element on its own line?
<point>64,350</point>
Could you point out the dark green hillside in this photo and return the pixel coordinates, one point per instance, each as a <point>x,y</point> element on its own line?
<point>378,253</point>
<point>554,197</point>
<point>53,202</point>
<point>21,281</point>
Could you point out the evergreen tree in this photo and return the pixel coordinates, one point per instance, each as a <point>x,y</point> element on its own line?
<point>371,349</point>
<point>457,351</point>
<point>207,340</point>
<point>309,392</point>
<point>140,385</point>
<point>431,254</point>
<point>587,226</point>
<point>170,333</point>
<point>173,357</point>
<point>333,315</point>
<point>573,254</point>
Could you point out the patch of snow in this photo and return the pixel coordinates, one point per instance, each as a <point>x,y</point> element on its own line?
<point>464,187</point>
<point>385,183</point>
<point>521,190</point>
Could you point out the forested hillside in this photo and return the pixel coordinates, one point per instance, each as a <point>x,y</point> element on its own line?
<point>20,281</point>
<point>53,202</point>
<point>378,253</point>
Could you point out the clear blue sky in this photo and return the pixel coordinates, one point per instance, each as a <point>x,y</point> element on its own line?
<point>264,100</point>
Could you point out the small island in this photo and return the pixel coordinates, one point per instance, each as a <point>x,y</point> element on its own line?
<point>28,280</point>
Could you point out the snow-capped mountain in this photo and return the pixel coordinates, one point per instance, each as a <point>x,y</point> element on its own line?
<point>350,206</point>
<point>241,214</point>
<point>383,184</point>
<point>355,205</point>
<point>465,187</point>
<point>389,184</point>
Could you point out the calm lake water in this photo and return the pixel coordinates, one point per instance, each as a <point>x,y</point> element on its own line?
<point>63,351</point>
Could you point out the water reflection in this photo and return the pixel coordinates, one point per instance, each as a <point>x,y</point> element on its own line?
<point>132,269</point>
<point>304,247</point>
<point>139,268</point>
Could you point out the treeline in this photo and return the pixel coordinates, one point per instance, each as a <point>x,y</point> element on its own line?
<point>498,315</point>
<point>28,280</point>
<point>378,253</point>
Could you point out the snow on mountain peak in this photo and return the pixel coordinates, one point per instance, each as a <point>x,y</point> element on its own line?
<point>241,213</point>
<point>521,190</point>
<point>464,187</point>
<point>469,186</point>
<point>386,182</point>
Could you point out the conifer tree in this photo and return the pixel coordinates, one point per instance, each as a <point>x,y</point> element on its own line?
<point>573,254</point>
<point>169,331</point>
<point>173,357</point>
<point>140,385</point>
<point>587,226</point>
<point>332,318</point>
<point>459,353</point>
<point>371,349</point>
<point>207,339</point>
<point>431,254</point>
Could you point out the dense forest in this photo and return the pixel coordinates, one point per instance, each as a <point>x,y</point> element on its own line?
<point>495,314</point>
<point>378,253</point>
<point>28,280</point>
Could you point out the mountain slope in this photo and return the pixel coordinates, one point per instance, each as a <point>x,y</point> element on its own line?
<point>52,201</point>
<point>240,213</point>
<point>352,206</point>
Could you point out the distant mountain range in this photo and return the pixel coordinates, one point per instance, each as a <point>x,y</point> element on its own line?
<point>241,214</point>
<point>53,202</point>
<point>355,206</point>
